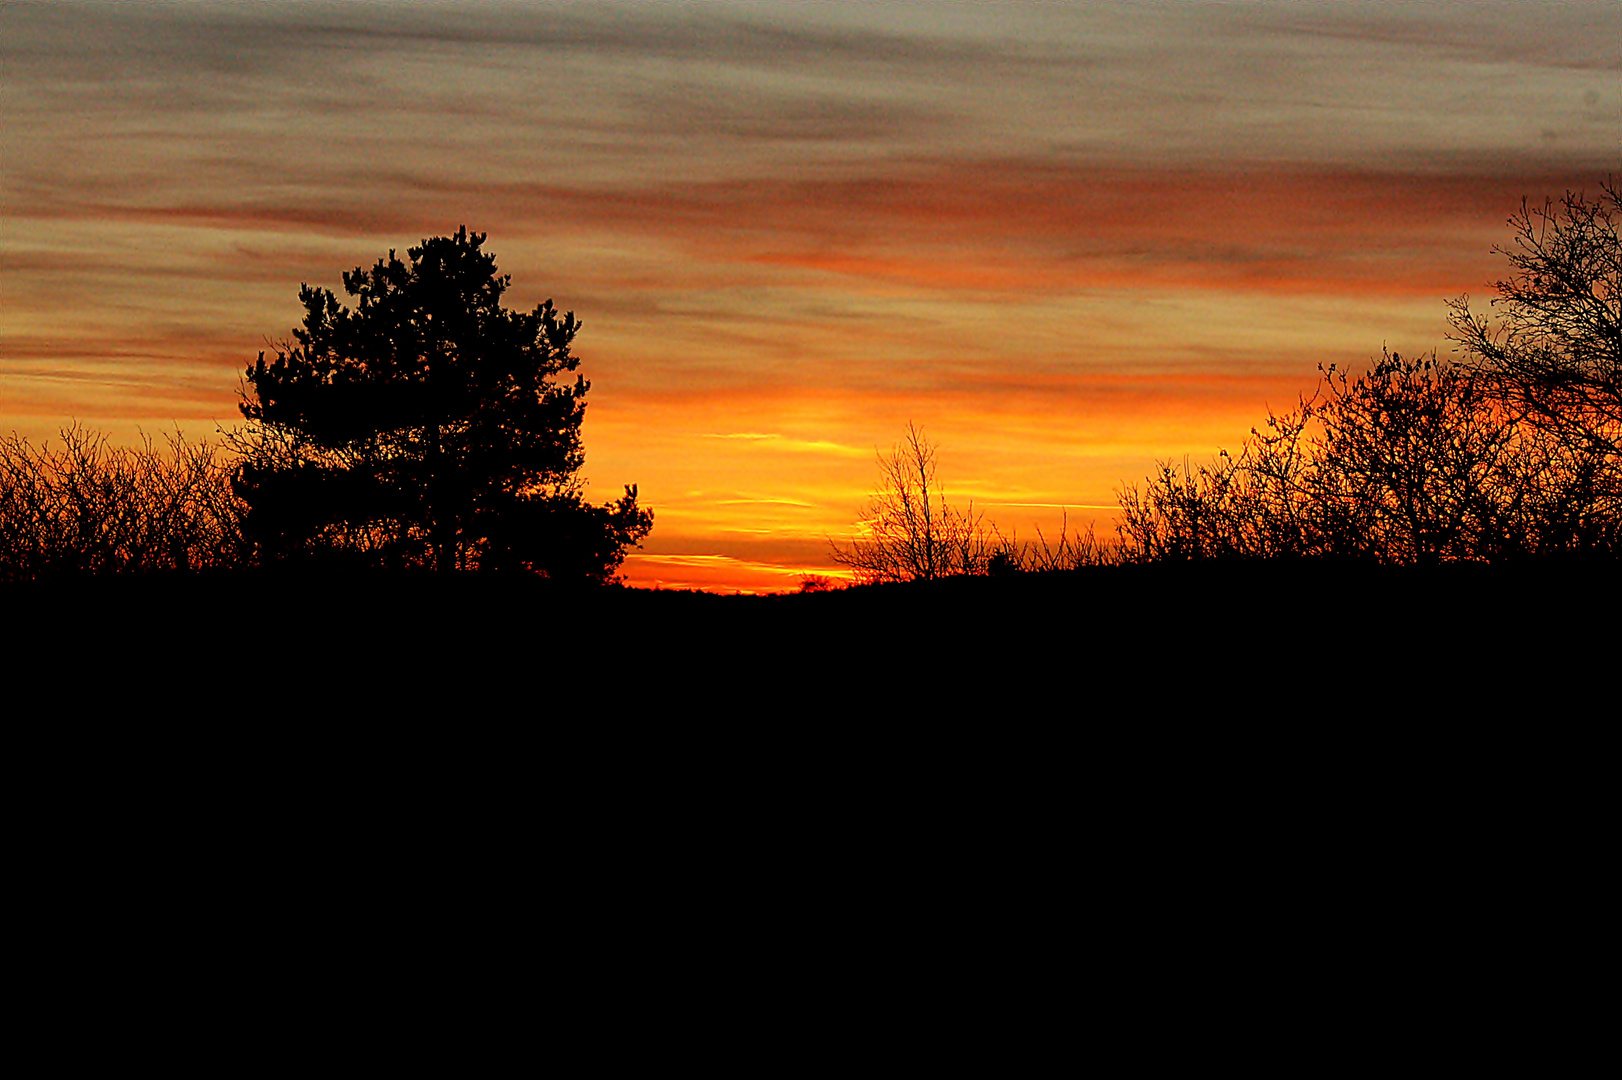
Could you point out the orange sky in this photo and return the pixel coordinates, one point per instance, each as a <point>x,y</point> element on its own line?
<point>1065,239</point>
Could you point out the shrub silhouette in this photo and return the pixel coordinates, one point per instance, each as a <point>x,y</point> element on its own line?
<point>90,508</point>
<point>1412,463</point>
<point>1511,453</point>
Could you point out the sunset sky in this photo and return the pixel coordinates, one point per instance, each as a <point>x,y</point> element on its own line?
<point>1066,239</point>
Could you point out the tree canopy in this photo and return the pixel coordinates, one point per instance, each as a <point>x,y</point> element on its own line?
<point>428,426</point>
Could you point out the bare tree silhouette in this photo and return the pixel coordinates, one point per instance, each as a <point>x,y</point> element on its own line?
<point>912,532</point>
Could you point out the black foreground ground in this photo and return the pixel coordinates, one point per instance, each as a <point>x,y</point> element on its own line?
<point>1139,640</point>
<point>1194,748</point>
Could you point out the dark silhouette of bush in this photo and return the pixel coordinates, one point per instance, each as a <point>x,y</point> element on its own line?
<point>427,427</point>
<point>1408,463</point>
<point>89,508</point>
<point>1510,454</point>
<point>1411,463</point>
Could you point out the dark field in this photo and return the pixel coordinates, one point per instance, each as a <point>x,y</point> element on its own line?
<point>1196,749</point>
<point>1266,641</point>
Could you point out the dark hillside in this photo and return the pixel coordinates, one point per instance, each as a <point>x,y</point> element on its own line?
<point>1129,640</point>
<point>1171,734</point>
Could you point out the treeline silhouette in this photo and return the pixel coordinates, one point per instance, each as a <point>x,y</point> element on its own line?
<point>1412,463</point>
<point>425,429</point>
<point>1510,452</point>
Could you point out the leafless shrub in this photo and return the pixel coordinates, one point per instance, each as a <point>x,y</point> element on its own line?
<point>1414,462</point>
<point>912,532</point>
<point>91,508</point>
<point>1066,551</point>
<point>1513,452</point>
